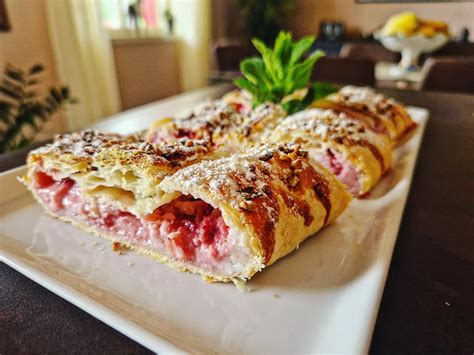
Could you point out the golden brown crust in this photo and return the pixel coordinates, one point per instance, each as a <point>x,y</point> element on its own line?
<point>221,123</point>
<point>115,165</point>
<point>275,196</point>
<point>323,129</point>
<point>378,108</point>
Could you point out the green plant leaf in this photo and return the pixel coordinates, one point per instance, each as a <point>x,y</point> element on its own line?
<point>12,94</point>
<point>36,69</point>
<point>244,84</point>
<point>279,71</point>
<point>254,71</point>
<point>321,90</point>
<point>283,48</point>
<point>300,48</point>
<point>56,95</point>
<point>65,92</point>
<point>14,74</point>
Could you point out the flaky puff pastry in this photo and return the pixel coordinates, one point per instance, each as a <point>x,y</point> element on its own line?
<point>123,169</point>
<point>375,110</point>
<point>358,156</point>
<point>272,198</point>
<point>222,124</point>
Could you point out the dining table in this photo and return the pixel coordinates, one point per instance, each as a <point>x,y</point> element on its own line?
<point>427,304</point>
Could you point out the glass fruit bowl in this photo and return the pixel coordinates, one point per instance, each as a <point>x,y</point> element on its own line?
<point>411,47</point>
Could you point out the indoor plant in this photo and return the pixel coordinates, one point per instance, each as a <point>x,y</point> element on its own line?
<point>22,112</point>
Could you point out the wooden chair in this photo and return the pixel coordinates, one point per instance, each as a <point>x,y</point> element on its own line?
<point>371,50</point>
<point>448,74</point>
<point>227,55</point>
<point>345,71</point>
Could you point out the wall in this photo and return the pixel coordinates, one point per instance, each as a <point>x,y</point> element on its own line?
<point>193,28</point>
<point>227,21</point>
<point>366,17</point>
<point>28,43</point>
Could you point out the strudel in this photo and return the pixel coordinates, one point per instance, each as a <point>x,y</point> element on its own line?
<point>224,124</point>
<point>224,219</point>
<point>378,112</point>
<point>356,155</point>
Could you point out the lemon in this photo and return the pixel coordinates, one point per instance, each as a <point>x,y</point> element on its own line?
<point>403,23</point>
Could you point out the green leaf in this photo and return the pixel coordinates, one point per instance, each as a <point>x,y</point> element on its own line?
<point>65,92</point>
<point>271,65</point>
<point>283,48</point>
<point>56,95</point>
<point>321,90</point>
<point>36,69</point>
<point>244,84</point>
<point>12,94</point>
<point>301,47</point>
<point>14,74</point>
<point>279,71</point>
<point>12,85</point>
<point>24,141</point>
<point>254,71</point>
<point>32,82</point>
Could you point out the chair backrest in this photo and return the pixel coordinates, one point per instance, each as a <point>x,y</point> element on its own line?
<point>345,71</point>
<point>451,49</point>
<point>454,49</point>
<point>227,55</point>
<point>448,74</point>
<point>371,50</point>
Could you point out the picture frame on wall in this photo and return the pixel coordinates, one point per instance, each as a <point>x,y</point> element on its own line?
<point>4,21</point>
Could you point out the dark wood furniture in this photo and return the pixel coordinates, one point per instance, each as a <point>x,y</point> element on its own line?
<point>448,74</point>
<point>427,303</point>
<point>374,51</point>
<point>343,71</point>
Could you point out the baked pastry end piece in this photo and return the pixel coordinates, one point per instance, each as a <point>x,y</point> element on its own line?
<point>224,219</point>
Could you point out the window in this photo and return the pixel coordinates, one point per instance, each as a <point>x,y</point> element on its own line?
<point>116,18</point>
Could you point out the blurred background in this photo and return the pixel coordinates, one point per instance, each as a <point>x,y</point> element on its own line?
<point>115,55</point>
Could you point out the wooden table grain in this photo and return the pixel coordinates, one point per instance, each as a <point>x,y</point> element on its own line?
<point>427,305</point>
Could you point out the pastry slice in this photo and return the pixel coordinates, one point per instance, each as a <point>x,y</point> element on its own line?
<point>356,155</point>
<point>378,112</point>
<point>221,123</point>
<point>251,209</point>
<point>96,178</point>
<point>224,219</point>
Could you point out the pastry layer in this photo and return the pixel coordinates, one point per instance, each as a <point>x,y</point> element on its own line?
<point>187,231</point>
<point>224,219</point>
<point>375,110</point>
<point>230,126</point>
<point>275,197</point>
<point>357,156</point>
<point>127,170</point>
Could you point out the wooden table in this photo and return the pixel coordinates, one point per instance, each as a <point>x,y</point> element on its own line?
<point>427,306</point>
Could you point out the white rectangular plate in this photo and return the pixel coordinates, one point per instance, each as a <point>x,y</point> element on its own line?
<point>323,297</point>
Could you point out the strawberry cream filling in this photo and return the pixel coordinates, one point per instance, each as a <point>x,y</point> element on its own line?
<point>339,166</point>
<point>187,229</point>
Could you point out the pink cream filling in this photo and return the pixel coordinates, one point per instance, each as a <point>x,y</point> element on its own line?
<point>188,229</point>
<point>344,170</point>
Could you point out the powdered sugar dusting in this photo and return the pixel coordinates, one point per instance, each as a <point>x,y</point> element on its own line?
<point>89,145</point>
<point>367,98</point>
<point>324,124</point>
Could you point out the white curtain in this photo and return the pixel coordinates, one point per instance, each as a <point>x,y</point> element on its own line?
<point>84,59</point>
<point>193,28</point>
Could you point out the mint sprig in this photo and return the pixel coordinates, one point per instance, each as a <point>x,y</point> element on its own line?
<point>281,71</point>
